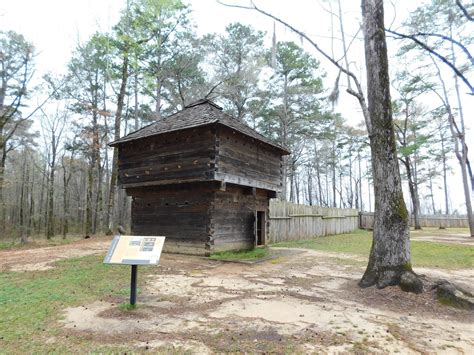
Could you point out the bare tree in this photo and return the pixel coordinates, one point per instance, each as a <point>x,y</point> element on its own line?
<point>53,127</point>
<point>390,254</point>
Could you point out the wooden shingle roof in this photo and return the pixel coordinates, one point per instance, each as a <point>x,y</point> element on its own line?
<point>200,113</point>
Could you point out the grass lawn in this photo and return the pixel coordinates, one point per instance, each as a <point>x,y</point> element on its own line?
<point>424,254</point>
<point>29,303</point>
<point>257,253</point>
<point>433,231</point>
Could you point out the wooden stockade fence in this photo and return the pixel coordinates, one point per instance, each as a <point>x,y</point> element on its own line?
<point>289,221</point>
<point>367,221</point>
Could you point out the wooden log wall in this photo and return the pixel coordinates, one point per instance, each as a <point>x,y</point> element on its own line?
<point>179,212</point>
<point>176,157</point>
<point>367,221</point>
<point>233,217</point>
<point>245,161</point>
<point>290,221</point>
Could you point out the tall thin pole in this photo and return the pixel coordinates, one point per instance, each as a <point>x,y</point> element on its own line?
<point>133,286</point>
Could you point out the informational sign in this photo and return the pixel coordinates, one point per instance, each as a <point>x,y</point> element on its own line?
<point>135,250</point>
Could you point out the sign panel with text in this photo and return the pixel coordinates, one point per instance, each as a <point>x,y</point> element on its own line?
<point>135,250</point>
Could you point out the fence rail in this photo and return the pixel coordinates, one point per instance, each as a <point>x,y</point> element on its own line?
<point>289,221</point>
<point>367,221</point>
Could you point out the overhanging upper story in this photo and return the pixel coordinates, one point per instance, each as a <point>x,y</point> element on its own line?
<point>199,143</point>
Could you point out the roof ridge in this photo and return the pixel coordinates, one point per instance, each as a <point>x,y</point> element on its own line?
<point>203,101</point>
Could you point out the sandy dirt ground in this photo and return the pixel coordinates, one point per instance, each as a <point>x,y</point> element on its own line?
<point>302,302</point>
<point>43,258</point>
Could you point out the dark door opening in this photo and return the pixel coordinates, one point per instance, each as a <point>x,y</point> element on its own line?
<point>260,230</point>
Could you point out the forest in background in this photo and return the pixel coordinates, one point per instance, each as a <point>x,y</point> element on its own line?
<point>58,176</point>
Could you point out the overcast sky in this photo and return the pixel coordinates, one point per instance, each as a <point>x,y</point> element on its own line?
<point>55,27</point>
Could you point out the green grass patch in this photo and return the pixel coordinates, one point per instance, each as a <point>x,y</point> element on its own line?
<point>442,255</point>
<point>424,253</point>
<point>31,303</point>
<point>358,243</point>
<point>253,254</point>
<point>127,307</point>
<point>433,231</point>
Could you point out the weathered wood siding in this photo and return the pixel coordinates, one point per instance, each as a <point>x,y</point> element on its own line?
<point>210,153</point>
<point>174,157</point>
<point>179,212</point>
<point>198,218</point>
<point>367,221</point>
<point>233,217</point>
<point>290,221</point>
<point>245,161</point>
<point>200,187</point>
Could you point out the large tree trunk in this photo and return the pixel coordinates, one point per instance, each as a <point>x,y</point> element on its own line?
<point>390,254</point>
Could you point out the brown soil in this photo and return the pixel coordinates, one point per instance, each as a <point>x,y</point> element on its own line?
<point>42,258</point>
<point>300,303</point>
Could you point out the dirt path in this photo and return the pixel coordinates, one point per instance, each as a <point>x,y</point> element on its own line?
<point>304,302</point>
<point>42,258</point>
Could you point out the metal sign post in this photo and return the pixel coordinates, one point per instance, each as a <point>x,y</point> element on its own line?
<point>134,251</point>
<point>133,285</point>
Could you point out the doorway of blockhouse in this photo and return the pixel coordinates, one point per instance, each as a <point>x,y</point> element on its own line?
<point>260,228</point>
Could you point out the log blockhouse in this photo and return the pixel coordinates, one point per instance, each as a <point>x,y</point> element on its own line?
<point>201,178</point>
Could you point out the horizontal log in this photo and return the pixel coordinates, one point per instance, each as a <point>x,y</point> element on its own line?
<point>166,142</point>
<point>189,175</point>
<point>240,154</point>
<point>248,170</point>
<point>185,248</point>
<point>240,245</point>
<point>234,179</point>
<point>176,156</point>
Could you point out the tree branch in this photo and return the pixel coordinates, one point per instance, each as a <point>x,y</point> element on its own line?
<point>358,94</point>
<point>436,54</point>
<point>464,11</point>
<point>446,38</point>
